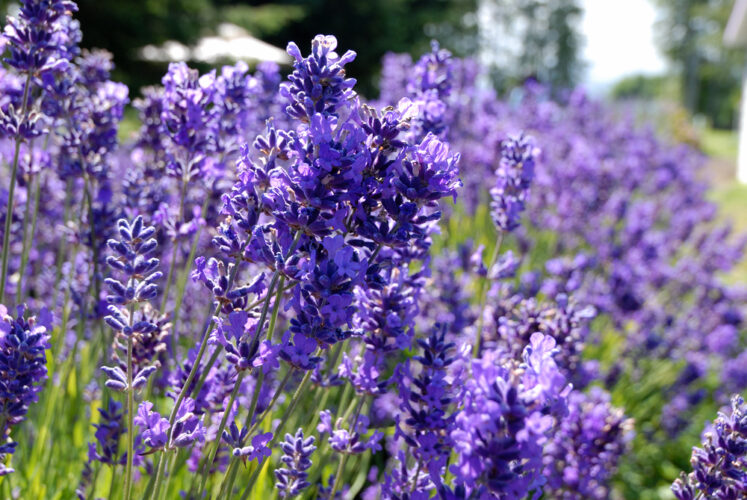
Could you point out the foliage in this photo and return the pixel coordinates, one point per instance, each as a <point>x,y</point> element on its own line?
<point>690,34</point>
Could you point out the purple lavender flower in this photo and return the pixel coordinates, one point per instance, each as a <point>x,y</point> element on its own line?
<point>719,466</point>
<point>109,430</point>
<point>258,450</point>
<point>427,416</point>
<point>297,451</point>
<point>23,368</point>
<point>154,427</point>
<point>133,261</point>
<point>188,120</point>
<point>32,38</point>
<point>187,427</point>
<point>350,441</point>
<point>513,177</point>
<point>583,454</point>
<point>318,83</point>
<point>507,419</point>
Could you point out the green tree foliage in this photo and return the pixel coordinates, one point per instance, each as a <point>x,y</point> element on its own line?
<point>690,33</point>
<point>372,28</point>
<point>369,27</point>
<point>640,87</point>
<point>123,26</point>
<point>532,38</point>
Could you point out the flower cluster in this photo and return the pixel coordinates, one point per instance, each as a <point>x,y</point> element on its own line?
<point>719,466</point>
<point>297,451</point>
<point>508,416</point>
<point>512,180</point>
<point>591,440</point>
<point>109,430</point>
<point>140,272</point>
<point>156,433</point>
<point>23,370</point>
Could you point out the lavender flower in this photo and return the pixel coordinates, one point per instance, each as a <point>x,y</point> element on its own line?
<point>513,177</point>
<point>23,369</point>
<point>350,441</point>
<point>34,44</point>
<point>508,416</point>
<point>258,450</point>
<point>719,466</point>
<point>154,428</point>
<point>132,259</point>
<point>187,427</point>
<point>188,120</point>
<point>318,83</point>
<point>108,433</point>
<point>427,416</point>
<point>297,452</point>
<point>584,453</point>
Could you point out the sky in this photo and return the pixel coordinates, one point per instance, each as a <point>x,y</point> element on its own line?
<point>619,40</point>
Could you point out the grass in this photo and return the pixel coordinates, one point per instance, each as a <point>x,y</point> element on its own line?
<point>720,144</point>
<point>732,203</point>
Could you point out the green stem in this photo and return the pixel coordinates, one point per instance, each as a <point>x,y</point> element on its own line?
<point>175,243</point>
<point>94,480</point>
<point>112,482</point>
<point>193,372</point>
<point>11,191</point>
<point>275,397</point>
<point>252,480</point>
<point>174,461</point>
<point>265,307</point>
<point>279,429</point>
<point>344,456</point>
<point>233,467</point>
<point>292,406</point>
<point>227,484</point>
<point>484,297</point>
<point>322,404</point>
<point>181,284</point>
<point>28,228</point>
<point>130,413</point>
<point>159,475</point>
<point>275,309</point>
<point>255,398</point>
<point>415,478</point>
<point>226,413</point>
<point>338,474</point>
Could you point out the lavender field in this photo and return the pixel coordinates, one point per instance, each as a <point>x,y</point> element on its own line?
<point>276,286</point>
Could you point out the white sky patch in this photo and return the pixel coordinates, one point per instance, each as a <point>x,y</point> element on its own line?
<point>619,40</point>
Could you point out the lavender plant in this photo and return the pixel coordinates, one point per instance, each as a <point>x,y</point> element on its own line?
<point>334,288</point>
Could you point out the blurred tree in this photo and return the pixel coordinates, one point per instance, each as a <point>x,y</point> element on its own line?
<point>532,38</point>
<point>689,33</point>
<point>372,28</point>
<point>124,26</point>
<point>640,87</point>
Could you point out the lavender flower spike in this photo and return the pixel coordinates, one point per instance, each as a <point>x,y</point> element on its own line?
<point>23,369</point>
<point>719,466</point>
<point>513,177</point>
<point>297,452</point>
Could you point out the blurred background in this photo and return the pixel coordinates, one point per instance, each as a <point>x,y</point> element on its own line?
<point>664,60</point>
